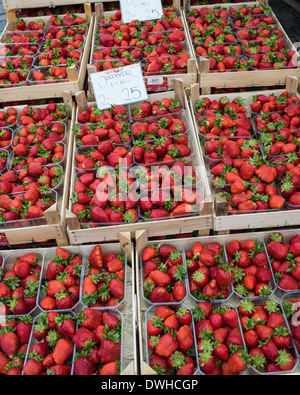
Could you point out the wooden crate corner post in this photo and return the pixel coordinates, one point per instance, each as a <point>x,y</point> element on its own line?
<point>72,74</point>
<point>126,244</point>
<point>292,84</point>
<point>11,15</point>
<point>88,11</point>
<point>72,221</point>
<point>178,85</point>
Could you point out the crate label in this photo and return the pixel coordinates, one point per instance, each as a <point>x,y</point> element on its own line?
<point>141,10</point>
<point>155,80</point>
<point>124,85</point>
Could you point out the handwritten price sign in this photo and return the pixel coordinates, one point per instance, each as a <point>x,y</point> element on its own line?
<point>141,10</point>
<point>122,86</point>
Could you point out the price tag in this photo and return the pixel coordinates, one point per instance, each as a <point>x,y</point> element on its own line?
<point>155,80</point>
<point>121,86</point>
<point>141,10</point>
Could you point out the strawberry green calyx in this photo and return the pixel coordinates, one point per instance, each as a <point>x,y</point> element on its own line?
<point>284,358</point>
<point>158,322</point>
<point>59,320</point>
<point>247,306</point>
<point>241,290</point>
<point>238,275</point>
<point>7,329</point>
<point>90,300</point>
<point>198,277</point>
<point>113,336</point>
<point>154,340</point>
<point>181,312</point>
<point>89,345</point>
<point>175,255</point>
<point>250,324</point>
<point>198,313</point>
<point>259,362</point>
<point>35,356</point>
<point>265,291</point>
<point>11,282</point>
<point>206,346</point>
<point>177,360</point>
<point>277,237</point>
<point>288,308</point>
<point>180,273</point>
<point>159,370</point>
<point>205,357</point>
<point>272,307</point>
<point>52,338</point>
<point>281,331</point>
<point>148,288</point>
<point>27,319</point>
<point>61,295</point>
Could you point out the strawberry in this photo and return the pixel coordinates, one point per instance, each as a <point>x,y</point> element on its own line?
<point>96,257</point>
<point>62,351</point>
<point>9,344</point>
<point>236,363</point>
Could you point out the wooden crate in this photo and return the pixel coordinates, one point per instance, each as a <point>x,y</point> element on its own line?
<point>186,245</point>
<point>76,78</point>
<point>224,222</point>
<point>55,215</point>
<point>202,223</point>
<point>127,309</point>
<point>254,78</point>
<point>189,78</point>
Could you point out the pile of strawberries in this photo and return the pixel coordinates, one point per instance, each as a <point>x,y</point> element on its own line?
<point>98,341</point>
<point>104,281</point>
<point>93,115</point>
<point>8,117</point>
<point>60,286</point>
<point>40,52</point>
<point>44,179</point>
<point>223,118</point>
<point>51,349</point>
<point>15,335</point>
<point>164,177</point>
<point>170,341</point>
<point>20,282</point>
<point>164,274</point>
<point>253,277</point>
<point>160,45</point>
<point>239,39</point>
<point>267,337</point>
<point>105,132</point>
<point>101,198</point>
<point>210,277</point>
<point>284,258</point>
<point>220,343</point>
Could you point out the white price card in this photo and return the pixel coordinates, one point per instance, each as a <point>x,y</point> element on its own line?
<point>141,10</point>
<point>121,86</point>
